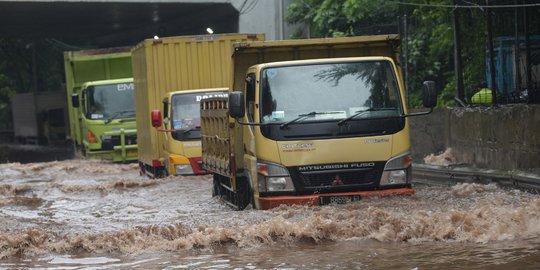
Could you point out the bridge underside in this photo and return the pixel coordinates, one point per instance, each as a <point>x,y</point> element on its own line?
<point>106,24</point>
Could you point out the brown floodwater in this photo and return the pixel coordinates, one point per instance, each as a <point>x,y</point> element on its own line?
<point>80,214</point>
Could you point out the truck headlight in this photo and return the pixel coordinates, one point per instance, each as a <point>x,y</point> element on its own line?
<point>182,169</point>
<point>397,170</point>
<point>273,177</point>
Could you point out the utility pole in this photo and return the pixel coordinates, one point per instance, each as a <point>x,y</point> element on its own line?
<point>516,52</point>
<point>34,67</point>
<point>460,92</point>
<point>491,56</point>
<point>528,76</point>
<point>406,59</point>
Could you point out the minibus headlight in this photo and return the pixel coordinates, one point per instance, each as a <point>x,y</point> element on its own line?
<point>397,170</point>
<point>183,169</point>
<point>273,177</point>
<point>276,183</point>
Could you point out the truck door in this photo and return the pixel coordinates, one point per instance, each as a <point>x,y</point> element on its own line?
<point>250,158</point>
<point>83,113</point>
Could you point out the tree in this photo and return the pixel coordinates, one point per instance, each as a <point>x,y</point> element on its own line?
<point>430,39</point>
<point>342,18</point>
<point>26,66</point>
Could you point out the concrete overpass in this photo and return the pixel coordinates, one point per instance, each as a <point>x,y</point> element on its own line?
<point>125,22</point>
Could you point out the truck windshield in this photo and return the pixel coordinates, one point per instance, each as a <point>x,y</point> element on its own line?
<point>185,114</point>
<point>335,91</point>
<point>110,101</point>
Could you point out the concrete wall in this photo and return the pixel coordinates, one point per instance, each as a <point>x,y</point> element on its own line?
<point>264,16</point>
<point>428,134</point>
<point>257,16</point>
<point>506,138</point>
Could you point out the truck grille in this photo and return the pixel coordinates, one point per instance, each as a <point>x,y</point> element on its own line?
<point>115,140</point>
<point>339,178</point>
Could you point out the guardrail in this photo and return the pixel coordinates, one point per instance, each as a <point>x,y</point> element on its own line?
<point>430,174</point>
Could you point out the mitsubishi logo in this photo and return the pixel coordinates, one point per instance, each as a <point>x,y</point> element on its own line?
<point>337,181</point>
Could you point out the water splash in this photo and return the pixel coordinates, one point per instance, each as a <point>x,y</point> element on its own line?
<point>442,159</point>
<point>112,210</point>
<point>482,222</point>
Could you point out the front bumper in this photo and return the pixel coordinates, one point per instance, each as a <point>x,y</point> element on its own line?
<point>119,154</point>
<point>314,199</point>
<point>193,162</point>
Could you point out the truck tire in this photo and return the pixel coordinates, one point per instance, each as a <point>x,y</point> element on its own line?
<point>215,186</point>
<point>142,170</point>
<point>80,151</point>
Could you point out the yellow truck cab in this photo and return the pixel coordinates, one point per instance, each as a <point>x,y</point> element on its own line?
<point>181,123</point>
<point>318,122</point>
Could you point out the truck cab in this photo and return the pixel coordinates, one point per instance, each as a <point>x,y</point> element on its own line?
<point>181,128</point>
<point>327,126</point>
<point>107,114</point>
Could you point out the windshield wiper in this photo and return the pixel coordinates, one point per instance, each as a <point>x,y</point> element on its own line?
<point>191,129</point>
<point>115,115</point>
<point>358,113</point>
<point>302,116</point>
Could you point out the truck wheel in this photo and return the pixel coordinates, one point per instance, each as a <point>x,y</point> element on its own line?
<point>142,171</point>
<point>80,151</point>
<point>216,186</point>
<point>159,172</point>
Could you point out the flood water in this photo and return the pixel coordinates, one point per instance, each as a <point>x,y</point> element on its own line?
<point>80,214</point>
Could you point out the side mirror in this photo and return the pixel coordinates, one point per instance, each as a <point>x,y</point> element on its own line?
<point>75,100</point>
<point>236,104</point>
<point>429,94</point>
<point>155,116</point>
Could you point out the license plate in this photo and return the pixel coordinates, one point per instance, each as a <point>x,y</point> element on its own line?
<point>132,153</point>
<point>324,200</point>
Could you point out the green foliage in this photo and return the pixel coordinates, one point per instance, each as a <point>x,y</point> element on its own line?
<point>473,50</point>
<point>26,66</point>
<point>329,18</point>
<point>5,92</point>
<point>447,94</point>
<point>31,65</point>
<point>429,44</point>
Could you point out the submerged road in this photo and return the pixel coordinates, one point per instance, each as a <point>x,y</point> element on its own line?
<point>79,214</point>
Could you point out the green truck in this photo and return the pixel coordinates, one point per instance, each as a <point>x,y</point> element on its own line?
<point>101,103</point>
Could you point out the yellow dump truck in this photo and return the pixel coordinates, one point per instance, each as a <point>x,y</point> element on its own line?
<point>311,122</point>
<point>167,145</point>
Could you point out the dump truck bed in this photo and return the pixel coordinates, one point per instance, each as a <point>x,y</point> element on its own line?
<point>223,135</point>
<point>92,65</point>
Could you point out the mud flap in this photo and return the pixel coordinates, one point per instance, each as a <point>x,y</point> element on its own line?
<point>243,193</point>
<point>238,199</point>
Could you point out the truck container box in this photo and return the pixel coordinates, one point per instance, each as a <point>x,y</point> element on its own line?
<point>40,117</point>
<point>172,64</point>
